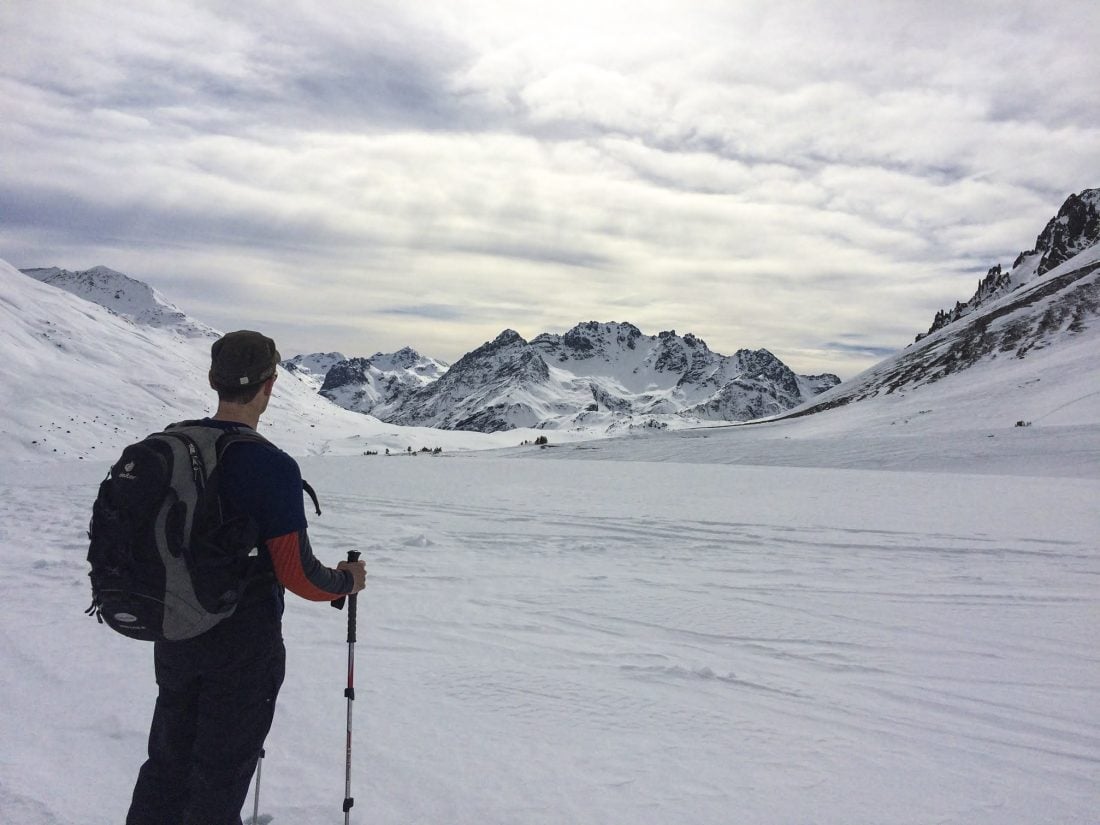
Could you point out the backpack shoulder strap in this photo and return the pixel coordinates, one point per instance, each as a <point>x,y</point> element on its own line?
<point>312,494</point>
<point>234,436</point>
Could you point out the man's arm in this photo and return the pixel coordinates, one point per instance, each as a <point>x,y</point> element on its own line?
<point>299,571</point>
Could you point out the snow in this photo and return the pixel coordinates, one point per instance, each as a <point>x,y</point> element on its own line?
<point>592,642</point>
<point>884,613</point>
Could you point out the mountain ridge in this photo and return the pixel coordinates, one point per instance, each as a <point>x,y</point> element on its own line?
<point>1075,228</point>
<point>603,374</point>
<point>1060,307</point>
<point>124,296</point>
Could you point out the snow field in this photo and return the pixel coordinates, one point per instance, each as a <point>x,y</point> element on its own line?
<point>615,642</point>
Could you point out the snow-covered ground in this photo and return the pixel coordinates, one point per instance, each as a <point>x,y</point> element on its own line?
<point>615,641</point>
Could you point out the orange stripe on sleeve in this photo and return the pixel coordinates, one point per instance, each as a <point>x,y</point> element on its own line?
<point>289,555</point>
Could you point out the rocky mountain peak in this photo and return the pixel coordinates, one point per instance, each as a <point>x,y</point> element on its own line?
<point>1074,229</point>
<point>589,339</point>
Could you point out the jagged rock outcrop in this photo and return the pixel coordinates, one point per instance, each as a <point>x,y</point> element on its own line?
<point>1074,229</point>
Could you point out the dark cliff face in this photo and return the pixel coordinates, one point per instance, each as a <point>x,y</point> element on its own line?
<point>1074,229</point>
<point>351,371</point>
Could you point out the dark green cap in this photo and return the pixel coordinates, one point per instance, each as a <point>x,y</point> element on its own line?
<point>242,359</point>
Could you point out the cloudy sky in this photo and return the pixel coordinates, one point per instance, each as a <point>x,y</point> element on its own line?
<point>816,178</point>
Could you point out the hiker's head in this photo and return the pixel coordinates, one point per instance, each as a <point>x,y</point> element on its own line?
<point>241,363</point>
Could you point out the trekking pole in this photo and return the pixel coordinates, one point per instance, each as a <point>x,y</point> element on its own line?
<point>353,555</point>
<point>259,775</point>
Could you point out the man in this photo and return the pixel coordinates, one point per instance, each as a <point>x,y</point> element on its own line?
<point>217,691</point>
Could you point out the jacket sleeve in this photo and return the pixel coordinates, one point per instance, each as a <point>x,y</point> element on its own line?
<point>301,573</point>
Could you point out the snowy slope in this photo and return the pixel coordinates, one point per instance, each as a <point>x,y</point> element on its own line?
<point>81,381</point>
<point>125,296</point>
<point>1058,311</point>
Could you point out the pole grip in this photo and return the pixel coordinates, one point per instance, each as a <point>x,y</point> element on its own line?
<point>353,555</point>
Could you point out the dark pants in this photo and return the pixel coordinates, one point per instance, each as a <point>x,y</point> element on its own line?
<point>213,712</point>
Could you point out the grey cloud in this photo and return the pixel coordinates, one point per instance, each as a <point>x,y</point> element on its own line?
<point>536,253</point>
<point>77,218</point>
<point>869,350</point>
<point>435,312</point>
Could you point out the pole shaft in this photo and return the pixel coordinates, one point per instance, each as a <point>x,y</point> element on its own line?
<point>259,776</point>
<point>349,801</point>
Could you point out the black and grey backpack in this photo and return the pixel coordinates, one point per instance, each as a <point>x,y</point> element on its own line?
<point>167,564</point>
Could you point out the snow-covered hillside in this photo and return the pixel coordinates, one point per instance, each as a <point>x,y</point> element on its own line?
<point>1057,314</point>
<point>124,296</point>
<point>80,380</point>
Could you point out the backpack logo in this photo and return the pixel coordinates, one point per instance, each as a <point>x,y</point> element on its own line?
<point>129,468</point>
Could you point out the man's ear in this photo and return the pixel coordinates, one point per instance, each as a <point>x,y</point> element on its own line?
<point>210,378</point>
<point>269,385</point>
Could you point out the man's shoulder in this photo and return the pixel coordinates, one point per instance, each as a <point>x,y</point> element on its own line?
<point>252,452</point>
<point>261,454</point>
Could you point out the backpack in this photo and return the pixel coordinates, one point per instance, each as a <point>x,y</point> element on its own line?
<point>166,564</point>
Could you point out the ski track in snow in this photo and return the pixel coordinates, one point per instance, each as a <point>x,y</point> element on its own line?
<point>594,642</point>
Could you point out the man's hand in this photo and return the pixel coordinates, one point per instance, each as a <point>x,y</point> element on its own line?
<point>358,572</point>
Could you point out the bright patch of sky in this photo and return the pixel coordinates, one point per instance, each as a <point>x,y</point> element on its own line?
<point>815,178</point>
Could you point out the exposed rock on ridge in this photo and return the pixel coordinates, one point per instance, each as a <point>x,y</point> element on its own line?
<point>1074,229</point>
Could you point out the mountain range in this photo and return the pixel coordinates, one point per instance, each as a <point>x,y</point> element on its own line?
<point>383,381</point>
<point>60,350</point>
<point>602,375</point>
<point>597,375</point>
<point>611,376</point>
